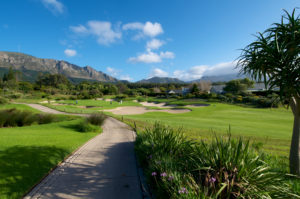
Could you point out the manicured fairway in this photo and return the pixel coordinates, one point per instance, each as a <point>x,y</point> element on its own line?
<point>28,153</point>
<point>70,106</point>
<point>272,127</point>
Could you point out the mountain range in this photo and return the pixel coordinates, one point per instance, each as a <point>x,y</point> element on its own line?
<point>31,67</point>
<point>160,80</point>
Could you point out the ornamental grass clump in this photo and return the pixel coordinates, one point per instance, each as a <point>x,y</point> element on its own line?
<point>91,123</point>
<point>178,167</point>
<point>96,119</point>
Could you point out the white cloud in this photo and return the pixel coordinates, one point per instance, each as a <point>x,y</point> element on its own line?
<point>149,57</point>
<point>101,29</point>
<point>152,57</point>
<point>157,72</point>
<point>152,29</point>
<point>79,29</point>
<point>148,29</point>
<point>154,44</point>
<point>70,52</point>
<point>133,26</point>
<point>125,77</point>
<point>167,55</point>
<point>54,6</point>
<point>113,71</point>
<point>196,72</point>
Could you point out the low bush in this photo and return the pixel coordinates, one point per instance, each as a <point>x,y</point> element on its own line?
<point>224,168</point>
<point>96,119</point>
<point>14,117</point>
<point>45,118</point>
<point>91,123</point>
<point>3,100</point>
<point>84,126</point>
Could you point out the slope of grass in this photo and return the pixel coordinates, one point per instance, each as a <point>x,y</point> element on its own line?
<point>272,127</point>
<point>29,153</point>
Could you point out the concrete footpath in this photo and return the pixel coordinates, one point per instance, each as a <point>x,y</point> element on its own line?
<point>105,167</point>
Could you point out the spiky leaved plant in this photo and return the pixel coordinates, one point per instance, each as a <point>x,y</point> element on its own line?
<point>275,58</point>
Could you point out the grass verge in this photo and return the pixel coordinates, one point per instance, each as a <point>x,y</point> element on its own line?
<point>28,153</point>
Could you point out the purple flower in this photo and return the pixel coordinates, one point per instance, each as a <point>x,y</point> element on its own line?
<point>164,174</point>
<point>154,173</point>
<point>183,190</point>
<point>212,180</point>
<point>171,178</point>
<point>150,156</point>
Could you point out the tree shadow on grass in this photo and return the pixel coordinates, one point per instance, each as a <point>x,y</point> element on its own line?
<point>23,167</point>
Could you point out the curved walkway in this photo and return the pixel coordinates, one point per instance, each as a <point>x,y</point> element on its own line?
<point>105,167</point>
<point>50,110</point>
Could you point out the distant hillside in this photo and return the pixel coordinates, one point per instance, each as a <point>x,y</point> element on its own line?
<point>161,80</point>
<point>219,78</point>
<point>31,66</point>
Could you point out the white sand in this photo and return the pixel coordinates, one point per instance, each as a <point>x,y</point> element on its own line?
<point>160,105</point>
<point>45,102</point>
<point>196,105</point>
<point>134,110</point>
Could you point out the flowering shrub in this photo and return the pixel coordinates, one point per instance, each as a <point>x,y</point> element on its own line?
<point>225,168</point>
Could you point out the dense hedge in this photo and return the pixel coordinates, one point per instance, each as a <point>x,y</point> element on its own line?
<point>14,117</point>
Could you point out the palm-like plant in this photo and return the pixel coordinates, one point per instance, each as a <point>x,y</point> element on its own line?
<point>275,58</point>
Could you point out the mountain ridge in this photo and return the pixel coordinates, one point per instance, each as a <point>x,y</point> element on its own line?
<point>160,80</point>
<point>29,64</point>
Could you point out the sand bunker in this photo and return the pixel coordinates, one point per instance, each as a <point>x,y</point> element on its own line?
<point>89,106</point>
<point>109,100</point>
<point>196,105</point>
<point>160,105</point>
<point>46,102</point>
<point>134,110</point>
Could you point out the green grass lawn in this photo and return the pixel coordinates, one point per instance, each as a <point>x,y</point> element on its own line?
<point>22,107</point>
<point>70,106</point>
<point>272,127</point>
<point>28,153</point>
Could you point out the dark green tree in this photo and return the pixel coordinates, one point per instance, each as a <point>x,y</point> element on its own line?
<point>52,80</point>
<point>194,89</point>
<point>238,85</point>
<point>275,58</point>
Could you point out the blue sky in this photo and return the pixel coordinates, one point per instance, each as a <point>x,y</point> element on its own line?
<point>136,39</point>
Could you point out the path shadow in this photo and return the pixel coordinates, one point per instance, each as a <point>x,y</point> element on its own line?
<point>114,176</point>
<point>23,167</point>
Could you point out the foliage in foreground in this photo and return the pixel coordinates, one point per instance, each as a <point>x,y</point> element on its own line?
<point>13,117</point>
<point>225,168</point>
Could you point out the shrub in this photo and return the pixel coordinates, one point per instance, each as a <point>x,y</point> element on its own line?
<point>13,117</point>
<point>84,126</point>
<point>45,118</point>
<point>3,100</point>
<point>96,119</point>
<point>15,96</point>
<point>225,168</point>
